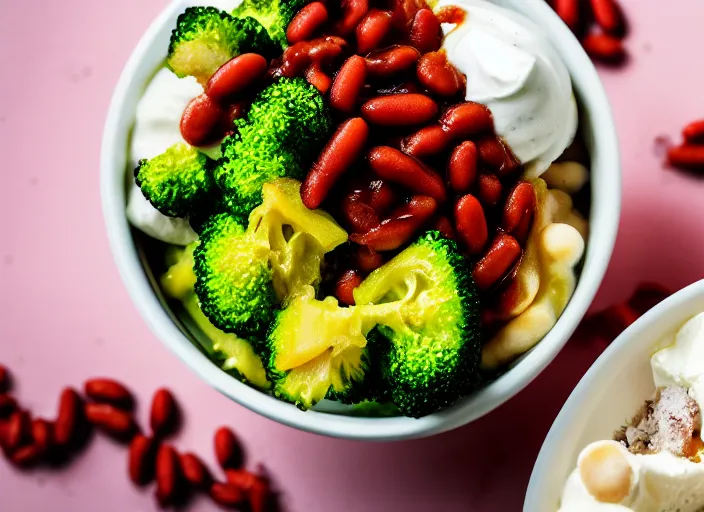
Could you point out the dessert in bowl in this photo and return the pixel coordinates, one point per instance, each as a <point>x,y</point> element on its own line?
<point>629,436</point>
<point>391,218</point>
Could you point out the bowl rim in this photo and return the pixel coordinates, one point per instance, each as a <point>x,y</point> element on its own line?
<point>634,333</point>
<point>605,213</point>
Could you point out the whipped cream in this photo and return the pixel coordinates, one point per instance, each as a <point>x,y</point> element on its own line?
<point>157,127</point>
<point>513,69</point>
<point>627,482</point>
<point>682,363</point>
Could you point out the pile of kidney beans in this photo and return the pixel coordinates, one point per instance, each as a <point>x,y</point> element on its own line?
<point>409,152</point>
<point>107,406</point>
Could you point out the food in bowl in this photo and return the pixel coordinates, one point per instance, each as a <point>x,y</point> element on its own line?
<point>364,205</point>
<point>655,462</point>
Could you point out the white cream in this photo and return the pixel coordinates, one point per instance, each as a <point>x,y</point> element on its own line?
<point>659,483</point>
<point>157,127</point>
<point>682,363</point>
<point>513,69</point>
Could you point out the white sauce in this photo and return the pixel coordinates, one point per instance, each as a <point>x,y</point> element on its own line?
<point>513,69</point>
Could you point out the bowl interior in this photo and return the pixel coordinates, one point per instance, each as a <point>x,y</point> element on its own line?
<point>596,126</point>
<point>608,394</point>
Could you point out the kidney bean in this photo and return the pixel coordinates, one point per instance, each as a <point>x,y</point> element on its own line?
<point>501,257</point>
<point>228,450</point>
<point>42,434</point>
<point>345,286</point>
<point>397,230</point>
<point>341,151</point>
<point>19,430</point>
<point>110,391</point>
<point>115,422</point>
<point>392,165</point>
<point>168,475</point>
<point>470,223</point>
<point>427,141</point>
<point>200,120</point>
<point>367,260</point>
<point>466,120</point>
<point>26,456</point>
<point>426,34</point>
<point>226,125</point>
<point>140,464</point>
<point>391,61</point>
<point>241,478</point>
<point>164,414</point>
<point>348,84</point>
<point>68,419</point>
<point>608,15</point>
<point>323,50</point>
<point>693,133</point>
<point>603,47</point>
<point>227,495</point>
<point>373,29</point>
<point>400,110</point>
<point>235,76</point>
<point>568,10</point>
<point>360,216</point>
<point>438,75</point>
<point>382,196</point>
<point>686,156</point>
<point>318,78</point>
<point>307,22</point>
<point>195,471</point>
<point>462,167</point>
<point>352,13</point>
<point>490,189</point>
<point>519,210</point>
<point>8,405</point>
<point>5,379</point>
<point>444,225</point>
<point>404,12</point>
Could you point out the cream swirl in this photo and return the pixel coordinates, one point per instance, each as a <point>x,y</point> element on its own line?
<point>513,69</point>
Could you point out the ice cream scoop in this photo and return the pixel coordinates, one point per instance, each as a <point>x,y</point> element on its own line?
<point>512,68</point>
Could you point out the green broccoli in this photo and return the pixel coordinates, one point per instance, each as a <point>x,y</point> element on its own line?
<point>426,348</point>
<point>317,349</point>
<point>275,15</point>
<point>233,278</point>
<point>177,181</point>
<point>286,126</point>
<point>234,355</point>
<point>242,276</point>
<point>205,38</point>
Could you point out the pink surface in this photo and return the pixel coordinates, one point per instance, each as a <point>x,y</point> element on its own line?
<point>66,316</point>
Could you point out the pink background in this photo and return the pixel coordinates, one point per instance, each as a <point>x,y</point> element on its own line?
<point>65,315</point>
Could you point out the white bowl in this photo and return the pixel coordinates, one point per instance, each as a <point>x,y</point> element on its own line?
<point>612,390</point>
<point>597,125</point>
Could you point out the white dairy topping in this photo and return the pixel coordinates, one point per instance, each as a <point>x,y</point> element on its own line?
<point>660,483</point>
<point>513,69</point>
<point>682,363</point>
<point>157,127</point>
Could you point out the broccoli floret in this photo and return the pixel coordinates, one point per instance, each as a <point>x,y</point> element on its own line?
<point>275,15</point>
<point>177,181</point>
<point>233,354</point>
<point>317,349</point>
<point>428,348</point>
<point>242,276</point>
<point>286,125</point>
<point>250,159</point>
<point>233,278</point>
<point>205,38</point>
